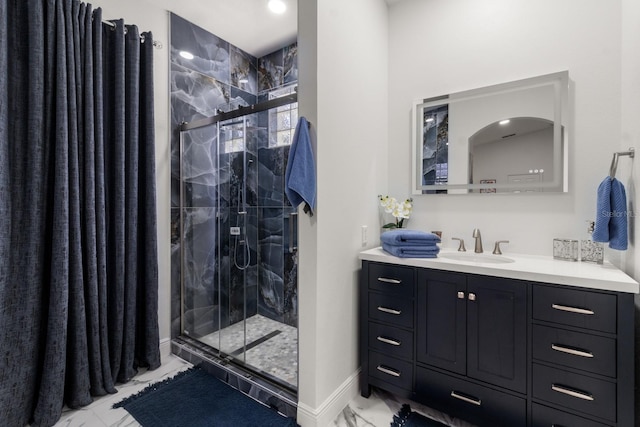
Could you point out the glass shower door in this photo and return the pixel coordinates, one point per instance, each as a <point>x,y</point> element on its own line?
<point>239,261</point>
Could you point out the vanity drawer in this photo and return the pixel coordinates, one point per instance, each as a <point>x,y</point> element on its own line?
<point>390,370</point>
<point>583,309</point>
<point>391,340</point>
<point>475,403</point>
<point>544,416</point>
<point>581,393</point>
<point>394,310</point>
<point>578,350</point>
<point>392,278</point>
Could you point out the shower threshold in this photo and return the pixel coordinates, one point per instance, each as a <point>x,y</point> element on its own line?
<point>260,386</point>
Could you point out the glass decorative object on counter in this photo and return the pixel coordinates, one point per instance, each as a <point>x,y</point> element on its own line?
<point>565,249</point>
<point>591,251</point>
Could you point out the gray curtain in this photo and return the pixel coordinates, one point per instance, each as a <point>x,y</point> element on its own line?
<point>78,257</point>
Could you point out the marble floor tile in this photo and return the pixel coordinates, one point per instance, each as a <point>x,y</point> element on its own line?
<point>100,413</point>
<point>378,411</point>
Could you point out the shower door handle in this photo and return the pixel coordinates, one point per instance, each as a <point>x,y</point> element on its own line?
<point>293,217</point>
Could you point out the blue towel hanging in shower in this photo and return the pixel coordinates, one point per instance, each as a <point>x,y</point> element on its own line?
<point>300,176</point>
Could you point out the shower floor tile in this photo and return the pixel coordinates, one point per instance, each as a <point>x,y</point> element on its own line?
<point>272,347</point>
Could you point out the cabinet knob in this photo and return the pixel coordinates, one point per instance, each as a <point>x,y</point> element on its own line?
<point>460,295</point>
<point>472,297</point>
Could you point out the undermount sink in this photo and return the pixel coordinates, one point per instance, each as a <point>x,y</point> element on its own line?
<point>474,257</point>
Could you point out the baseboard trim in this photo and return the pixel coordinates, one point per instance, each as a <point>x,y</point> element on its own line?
<point>329,409</point>
<point>165,348</point>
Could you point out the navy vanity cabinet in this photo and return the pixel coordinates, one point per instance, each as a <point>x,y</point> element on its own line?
<point>474,326</point>
<point>386,328</point>
<point>582,357</point>
<point>498,351</point>
<point>471,346</point>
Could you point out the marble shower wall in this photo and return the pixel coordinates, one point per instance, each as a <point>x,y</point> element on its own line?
<point>221,77</point>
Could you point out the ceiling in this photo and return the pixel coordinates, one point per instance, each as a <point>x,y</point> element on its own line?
<point>247,24</point>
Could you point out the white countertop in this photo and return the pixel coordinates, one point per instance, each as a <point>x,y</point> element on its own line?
<point>525,267</point>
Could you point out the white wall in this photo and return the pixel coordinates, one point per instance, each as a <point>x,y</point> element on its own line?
<point>629,171</point>
<point>438,46</point>
<point>343,48</point>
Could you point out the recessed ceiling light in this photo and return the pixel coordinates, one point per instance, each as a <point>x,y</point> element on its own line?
<point>277,6</point>
<point>504,122</point>
<point>186,55</point>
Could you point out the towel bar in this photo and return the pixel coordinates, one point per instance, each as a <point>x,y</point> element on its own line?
<point>614,161</point>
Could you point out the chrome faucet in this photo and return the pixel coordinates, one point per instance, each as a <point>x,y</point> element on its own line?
<point>476,235</point>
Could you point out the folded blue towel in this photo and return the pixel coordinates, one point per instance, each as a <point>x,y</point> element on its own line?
<point>300,176</point>
<point>401,236</point>
<point>406,251</point>
<point>611,215</point>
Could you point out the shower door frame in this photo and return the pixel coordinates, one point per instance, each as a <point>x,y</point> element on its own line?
<point>201,123</point>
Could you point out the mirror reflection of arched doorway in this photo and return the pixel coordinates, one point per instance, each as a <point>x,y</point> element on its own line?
<point>516,151</point>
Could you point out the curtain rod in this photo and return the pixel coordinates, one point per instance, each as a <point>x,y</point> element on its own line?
<point>241,111</point>
<point>156,44</point>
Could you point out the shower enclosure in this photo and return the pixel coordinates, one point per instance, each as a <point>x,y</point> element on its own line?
<point>239,238</point>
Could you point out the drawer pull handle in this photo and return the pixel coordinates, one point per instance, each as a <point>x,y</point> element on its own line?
<point>389,341</point>
<point>388,371</point>
<point>392,281</point>
<point>389,310</point>
<point>468,399</point>
<point>572,309</point>
<point>572,393</point>
<point>573,351</point>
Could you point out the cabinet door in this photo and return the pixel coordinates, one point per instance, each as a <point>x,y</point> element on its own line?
<point>441,307</point>
<point>497,331</point>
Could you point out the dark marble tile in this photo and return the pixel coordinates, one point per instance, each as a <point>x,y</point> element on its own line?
<point>271,71</point>
<point>271,170</point>
<point>175,273</point>
<point>244,73</point>
<point>200,299</point>
<point>193,97</point>
<point>290,64</point>
<point>210,53</point>
<point>290,315</point>
<point>240,98</point>
<point>271,284</point>
<point>200,167</point>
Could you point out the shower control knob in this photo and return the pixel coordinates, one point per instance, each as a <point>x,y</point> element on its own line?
<point>234,231</point>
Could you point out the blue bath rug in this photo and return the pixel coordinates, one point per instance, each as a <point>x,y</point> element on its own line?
<point>407,418</point>
<point>195,398</point>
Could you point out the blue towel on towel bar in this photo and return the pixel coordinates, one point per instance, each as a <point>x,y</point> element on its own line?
<point>403,236</point>
<point>300,176</point>
<point>611,215</point>
<point>407,251</point>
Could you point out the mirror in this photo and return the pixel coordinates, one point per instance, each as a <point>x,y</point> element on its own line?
<point>506,138</point>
